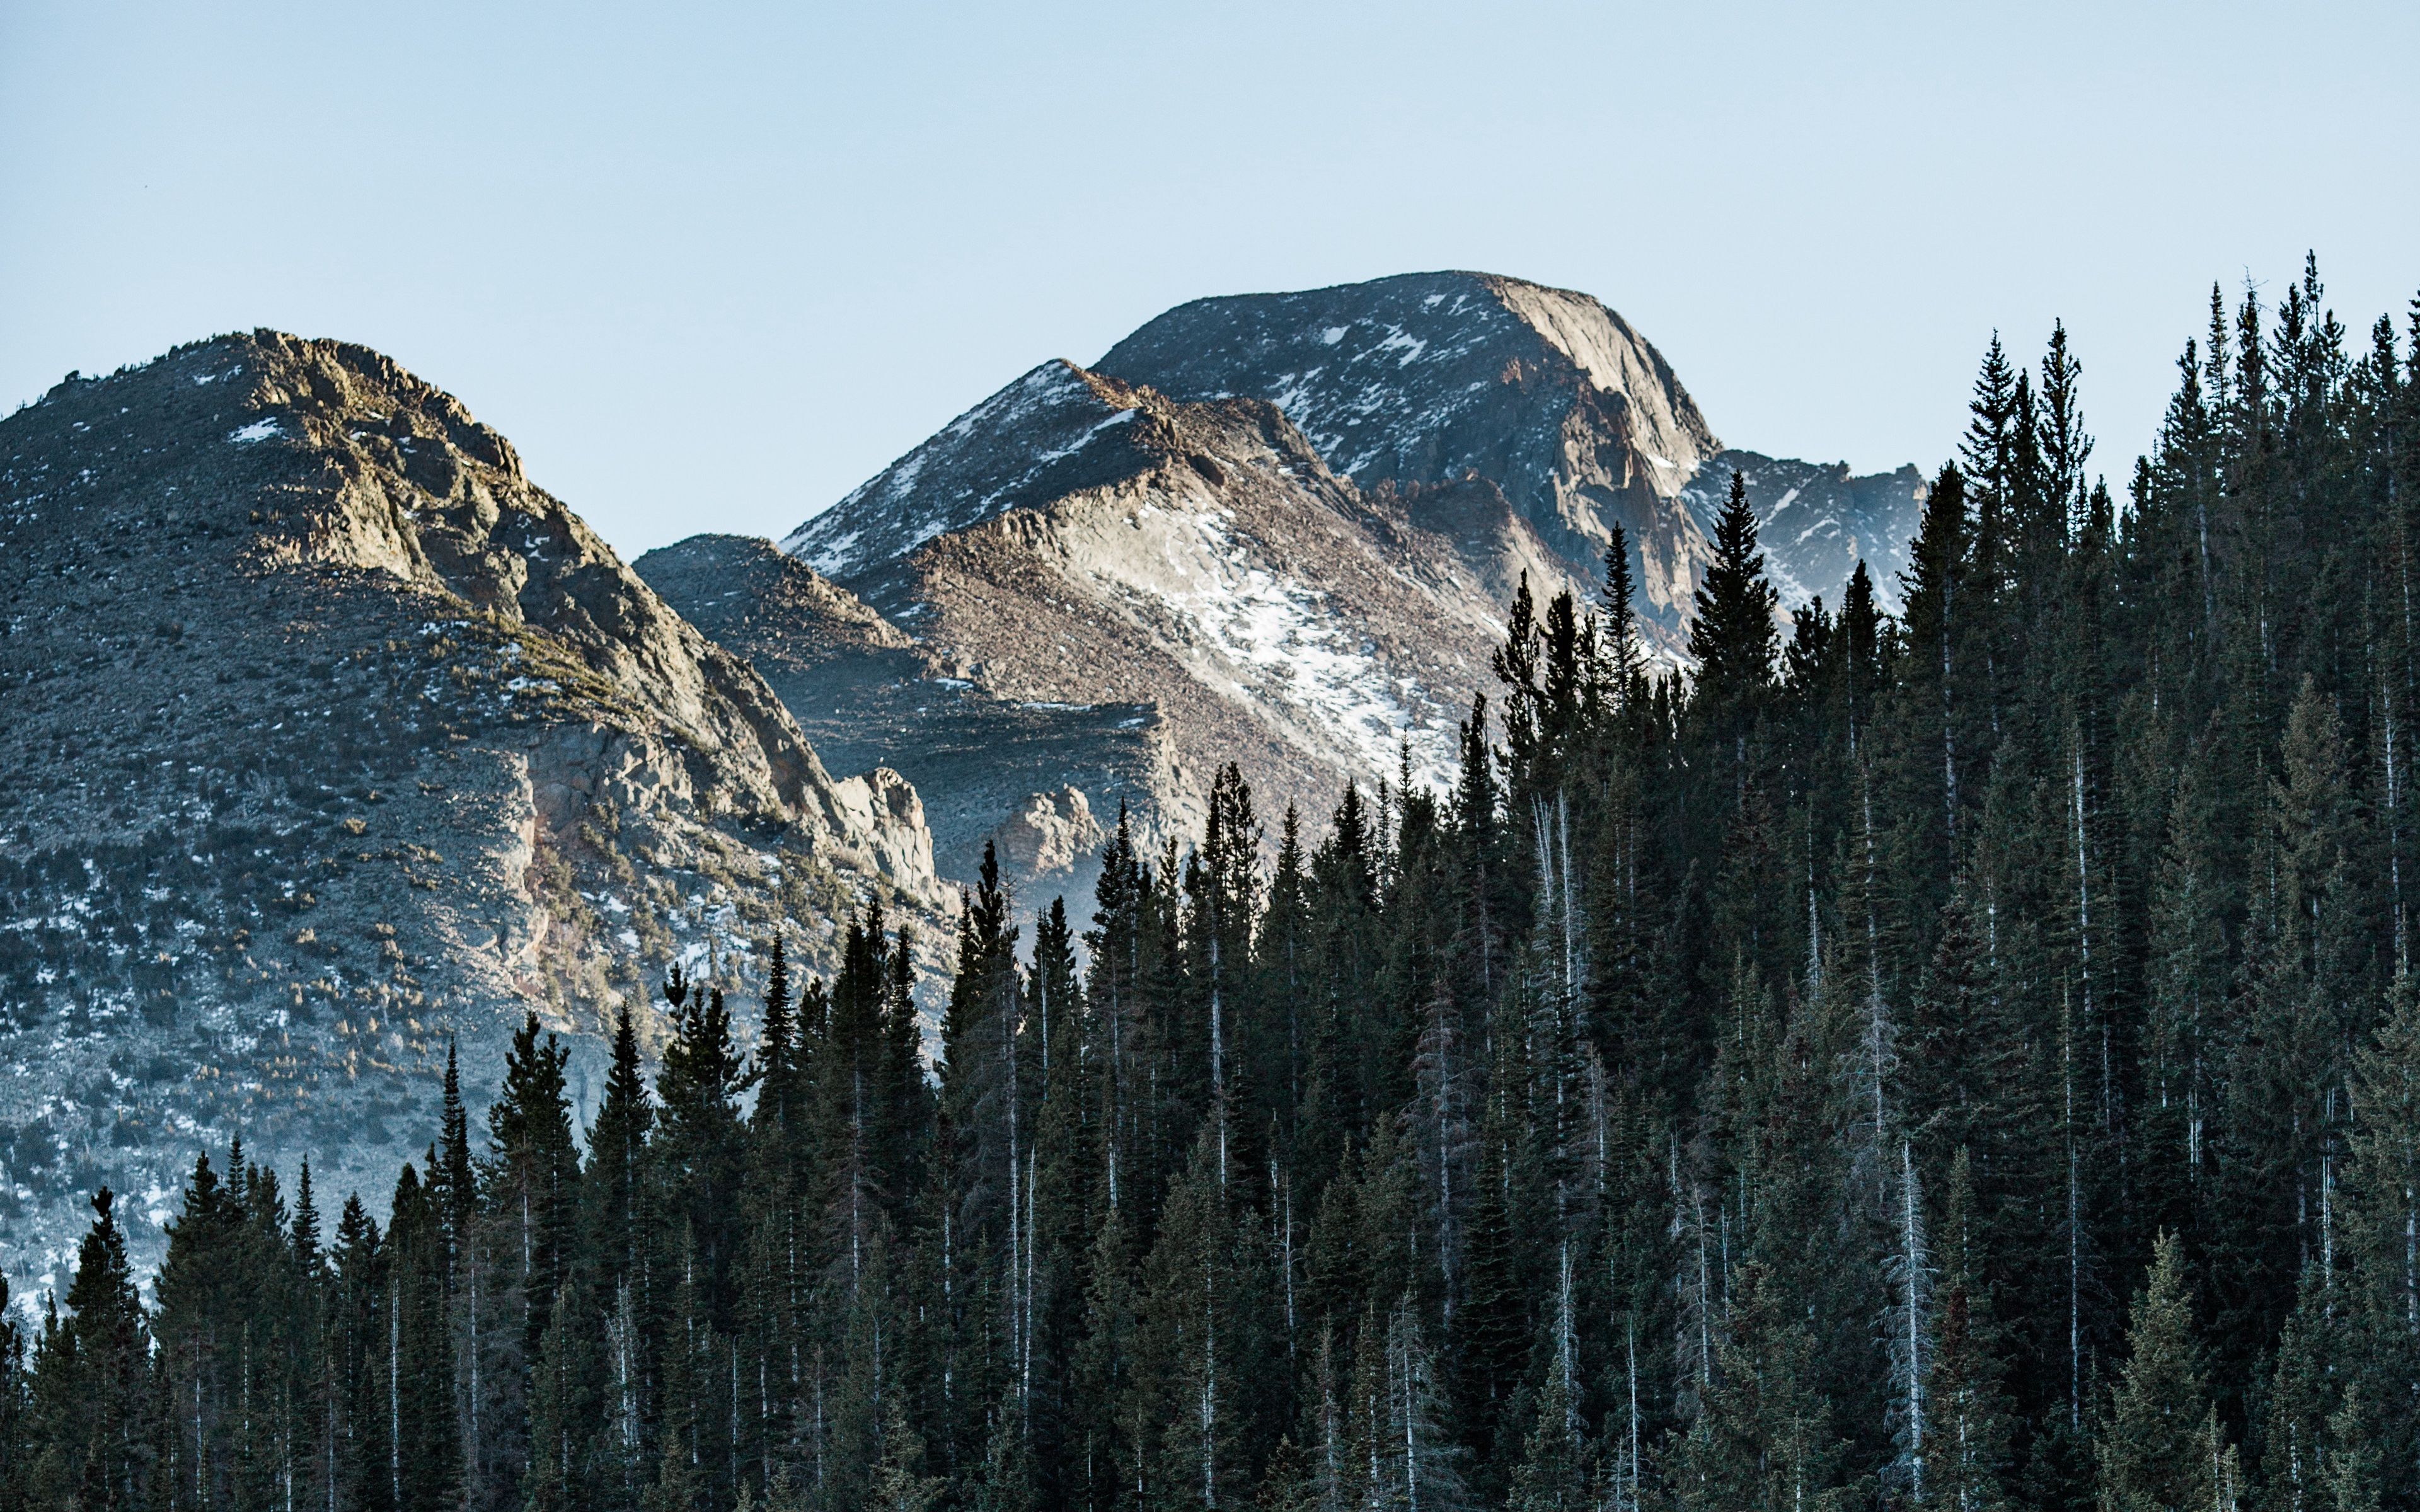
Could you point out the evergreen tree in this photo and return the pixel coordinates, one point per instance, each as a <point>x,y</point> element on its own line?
<point>2162,1447</point>
<point>1732,634</point>
<point>1968,1447</point>
<point>610,1191</point>
<point>89,1398</point>
<point>14,1440</point>
<point>423,1440</point>
<point>697,1151</point>
<point>1762,1439</point>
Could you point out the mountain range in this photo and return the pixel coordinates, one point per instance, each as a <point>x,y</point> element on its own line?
<point>339,744</point>
<point>1276,530</point>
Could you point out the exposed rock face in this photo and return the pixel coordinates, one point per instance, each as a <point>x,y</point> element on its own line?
<point>1163,587</point>
<point>1548,395</point>
<point>1431,378</point>
<point>1278,529</point>
<point>868,696</point>
<point>1052,839</point>
<point>1275,529</point>
<point>331,736</point>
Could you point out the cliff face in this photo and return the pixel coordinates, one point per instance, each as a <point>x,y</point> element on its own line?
<point>868,695</point>
<point>334,738</point>
<point>1548,395</point>
<point>1429,379</point>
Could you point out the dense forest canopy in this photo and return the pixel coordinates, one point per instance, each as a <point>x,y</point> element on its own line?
<point>1967,1059</point>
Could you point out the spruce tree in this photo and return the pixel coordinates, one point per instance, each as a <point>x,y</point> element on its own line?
<point>611,1187</point>
<point>1732,634</point>
<point>1967,1458</point>
<point>1762,1437</point>
<point>1553,1475</point>
<point>2161,1447</point>
<point>90,1400</point>
<point>1625,657</point>
<point>697,1153</point>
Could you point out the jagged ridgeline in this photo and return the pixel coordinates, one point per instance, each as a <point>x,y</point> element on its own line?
<point>331,737</point>
<point>1957,1057</point>
<point>1276,531</point>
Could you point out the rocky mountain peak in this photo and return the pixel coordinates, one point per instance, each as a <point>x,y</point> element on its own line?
<point>1429,378</point>
<point>1277,529</point>
<point>1392,377</point>
<point>336,739</point>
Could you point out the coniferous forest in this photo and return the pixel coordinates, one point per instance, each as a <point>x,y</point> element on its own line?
<point>1964,1059</point>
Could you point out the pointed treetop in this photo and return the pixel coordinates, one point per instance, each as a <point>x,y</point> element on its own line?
<point>1732,634</point>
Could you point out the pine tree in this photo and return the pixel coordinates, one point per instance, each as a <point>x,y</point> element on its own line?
<point>899,1482</point>
<point>523,1244</point>
<point>1625,657</point>
<point>1936,631</point>
<point>89,1378</point>
<point>1553,1475</point>
<point>1967,1458</point>
<point>2305,1395</point>
<point>15,1442</point>
<point>979,1240</point>
<point>697,1154</point>
<point>1198,1314</point>
<point>611,1189</point>
<point>1732,634</point>
<point>359,1359</point>
<point>1403,1451</point>
<point>1763,1438</point>
<point>2161,1447</point>
<point>425,1424</point>
<point>2382,1208</point>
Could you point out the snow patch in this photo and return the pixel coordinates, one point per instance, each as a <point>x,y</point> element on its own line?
<point>1410,345</point>
<point>259,430</point>
<point>1303,652</point>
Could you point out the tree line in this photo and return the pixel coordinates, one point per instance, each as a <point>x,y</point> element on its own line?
<point>1967,1059</point>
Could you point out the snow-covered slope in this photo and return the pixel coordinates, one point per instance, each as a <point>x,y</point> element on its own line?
<point>1064,423</point>
<point>1548,394</point>
<point>1167,586</point>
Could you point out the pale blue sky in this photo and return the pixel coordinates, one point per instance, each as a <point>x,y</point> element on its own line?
<point>710,267</point>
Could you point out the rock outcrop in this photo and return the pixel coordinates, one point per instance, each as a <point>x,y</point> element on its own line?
<point>1112,594</point>
<point>1054,838</point>
<point>333,740</point>
<point>1559,403</point>
<point>869,696</point>
<point>1432,379</point>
